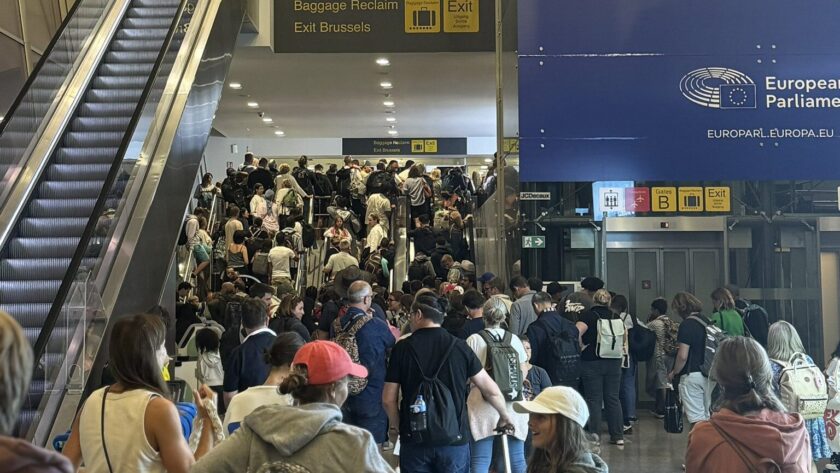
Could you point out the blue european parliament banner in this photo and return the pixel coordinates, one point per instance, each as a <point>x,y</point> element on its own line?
<point>679,90</point>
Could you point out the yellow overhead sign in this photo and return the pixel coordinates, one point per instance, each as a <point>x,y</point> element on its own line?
<point>422,16</point>
<point>691,199</point>
<point>424,146</point>
<point>718,199</point>
<point>663,199</point>
<point>460,16</point>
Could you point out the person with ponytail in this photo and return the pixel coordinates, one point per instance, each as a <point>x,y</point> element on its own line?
<point>431,352</point>
<point>751,431</point>
<point>309,436</point>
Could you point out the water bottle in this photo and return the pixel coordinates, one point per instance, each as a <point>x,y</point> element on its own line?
<point>418,415</point>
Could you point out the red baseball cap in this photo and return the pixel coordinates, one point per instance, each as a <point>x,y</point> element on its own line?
<point>327,362</point>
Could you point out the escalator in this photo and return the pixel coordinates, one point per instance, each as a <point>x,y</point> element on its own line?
<point>70,207</point>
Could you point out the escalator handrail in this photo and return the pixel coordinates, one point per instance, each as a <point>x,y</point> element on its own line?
<point>55,311</point>
<point>36,71</point>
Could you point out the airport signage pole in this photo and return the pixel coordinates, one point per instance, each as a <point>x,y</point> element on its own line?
<point>500,144</point>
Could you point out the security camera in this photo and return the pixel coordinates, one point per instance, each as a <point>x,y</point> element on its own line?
<point>261,114</point>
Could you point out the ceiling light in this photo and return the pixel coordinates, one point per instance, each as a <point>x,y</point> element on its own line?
<point>392,132</point>
<point>279,132</point>
<point>383,61</point>
<point>388,103</point>
<point>235,85</point>
<point>483,167</point>
<point>267,120</point>
<point>488,160</point>
<point>390,119</point>
<point>253,105</point>
<point>386,84</point>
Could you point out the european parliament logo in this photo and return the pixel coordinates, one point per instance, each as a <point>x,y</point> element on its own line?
<point>719,87</point>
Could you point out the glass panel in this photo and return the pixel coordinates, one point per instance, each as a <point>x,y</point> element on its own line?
<point>10,17</point>
<point>618,272</point>
<point>21,128</point>
<point>646,281</point>
<point>12,74</point>
<point>674,273</point>
<point>706,276</point>
<point>42,20</point>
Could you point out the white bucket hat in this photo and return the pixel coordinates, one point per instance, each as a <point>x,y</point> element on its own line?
<point>556,400</point>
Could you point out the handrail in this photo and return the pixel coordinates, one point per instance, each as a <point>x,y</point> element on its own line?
<point>75,262</point>
<point>44,57</point>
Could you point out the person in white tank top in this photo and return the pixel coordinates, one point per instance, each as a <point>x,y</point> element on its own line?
<point>130,426</point>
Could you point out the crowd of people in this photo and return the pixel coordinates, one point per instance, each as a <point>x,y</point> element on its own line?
<point>454,372</point>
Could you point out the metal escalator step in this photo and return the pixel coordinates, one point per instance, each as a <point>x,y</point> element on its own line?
<point>60,227</point>
<point>88,155</point>
<point>118,95</point>
<point>118,109</point>
<point>162,11</point>
<point>29,291</point>
<point>126,69</point>
<point>76,172</point>
<point>34,269</point>
<point>147,23</point>
<point>94,124</point>
<point>94,139</point>
<point>155,3</point>
<point>70,189</point>
<point>146,35</point>
<point>28,314</point>
<point>58,338</point>
<point>136,45</point>
<point>60,208</point>
<point>120,82</point>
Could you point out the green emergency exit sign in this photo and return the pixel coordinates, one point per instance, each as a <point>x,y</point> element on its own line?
<point>533,241</point>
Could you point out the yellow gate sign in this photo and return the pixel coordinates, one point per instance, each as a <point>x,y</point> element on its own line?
<point>663,199</point>
<point>691,199</point>
<point>718,199</point>
<point>460,16</point>
<point>422,16</point>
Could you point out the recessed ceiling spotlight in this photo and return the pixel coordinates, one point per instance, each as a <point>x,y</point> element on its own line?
<point>235,85</point>
<point>386,84</point>
<point>392,132</point>
<point>267,120</point>
<point>488,160</point>
<point>390,119</point>
<point>253,105</point>
<point>280,133</point>
<point>388,103</point>
<point>383,61</point>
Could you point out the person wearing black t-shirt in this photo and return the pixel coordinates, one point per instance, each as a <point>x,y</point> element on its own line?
<point>474,303</point>
<point>423,352</point>
<point>695,389</point>
<point>601,376</point>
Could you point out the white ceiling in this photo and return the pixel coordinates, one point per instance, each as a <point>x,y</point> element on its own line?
<point>338,95</point>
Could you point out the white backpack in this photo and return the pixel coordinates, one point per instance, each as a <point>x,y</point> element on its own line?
<point>611,335</point>
<point>802,387</point>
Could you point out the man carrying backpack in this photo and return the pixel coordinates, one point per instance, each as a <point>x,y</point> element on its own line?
<point>367,340</point>
<point>695,386</point>
<point>754,316</point>
<point>554,343</point>
<point>432,368</point>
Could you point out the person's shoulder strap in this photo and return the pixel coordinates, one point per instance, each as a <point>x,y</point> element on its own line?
<point>102,429</point>
<point>445,356</point>
<point>740,452</point>
<point>487,336</point>
<point>698,320</point>
<point>358,324</point>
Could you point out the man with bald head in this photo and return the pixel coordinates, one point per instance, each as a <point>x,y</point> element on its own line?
<point>374,340</point>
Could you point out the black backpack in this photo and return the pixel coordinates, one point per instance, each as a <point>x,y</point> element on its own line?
<point>233,325</point>
<point>503,364</point>
<point>756,322</point>
<point>323,186</point>
<point>307,235</point>
<point>381,182</point>
<point>343,187</point>
<point>182,237</point>
<point>642,341</point>
<point>454,181</point>
<point>565,355</point>
<point>304,179</point>
<point>416,271</point>
<point>443,425</point>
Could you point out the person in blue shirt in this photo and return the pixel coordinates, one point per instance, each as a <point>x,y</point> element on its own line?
<point>374,340</point>
<point>246,366</point>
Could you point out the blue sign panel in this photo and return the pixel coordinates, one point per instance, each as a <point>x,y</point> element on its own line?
<point>662,90</point>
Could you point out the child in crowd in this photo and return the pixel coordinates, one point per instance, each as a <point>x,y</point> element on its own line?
<point>208,369</point>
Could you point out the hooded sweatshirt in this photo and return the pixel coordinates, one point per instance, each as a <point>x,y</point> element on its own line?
<point>590,463</point>
<point>19,456</point>
<point>778,436</point>
<point>311,436</point>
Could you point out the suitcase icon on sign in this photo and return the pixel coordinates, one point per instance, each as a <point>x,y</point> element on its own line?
<point>424,19</point>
